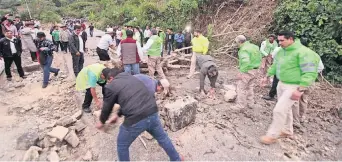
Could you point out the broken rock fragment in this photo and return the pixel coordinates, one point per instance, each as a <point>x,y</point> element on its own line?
<point>53,156</point>
<point>59,132</point>
<point>32,154</point>
<point>72,138</point>
<point>66,121</point>
<point>27,140</point>
<point>79,126</point>
<point>180,113</point>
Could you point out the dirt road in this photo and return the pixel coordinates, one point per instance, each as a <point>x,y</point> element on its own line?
<point>219,132</point>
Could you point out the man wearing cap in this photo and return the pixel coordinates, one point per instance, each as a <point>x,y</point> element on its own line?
<point>10,51</point>
<point>208,67</point>
<point>87,80</point>
<point>154,85</point>
<point>27,40</point>
<point>130,52</point>
<point>46,48</point>
<point>77,48</point>
<point>249,62</point>
<point>140,109</point>
<point>153,48</point>
<point>64,37</point>
<point>200,45</point>
<point>104,44</point>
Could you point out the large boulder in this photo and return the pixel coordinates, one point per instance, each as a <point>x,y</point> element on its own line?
<point>180,113</point>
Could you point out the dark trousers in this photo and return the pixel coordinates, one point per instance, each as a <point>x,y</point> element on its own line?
<point>91,32</point>
<point>103,54</point>
<point>64,46</point>
<point>187,44</point>
<point>151,124</point>
<point>117,41</point>
<point>273,90</point>
<point>57,43</point>
<point>77,63</point>
<point>169,48</point>
<point>47,69</point>
<point>146,39</point>
<point>8,63</point>
<point>179,45</point>
<point>34,56</point>
<point>88,98</point>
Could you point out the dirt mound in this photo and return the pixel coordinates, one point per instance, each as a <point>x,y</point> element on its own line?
<point>233,17</point>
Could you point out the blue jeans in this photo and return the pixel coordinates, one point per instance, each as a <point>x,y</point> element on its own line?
<point>169,47</point>
<point>47,69</point>
<point>132,67</point>
<point>152,125</point>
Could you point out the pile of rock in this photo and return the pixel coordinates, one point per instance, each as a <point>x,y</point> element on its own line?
<point>62,135</point>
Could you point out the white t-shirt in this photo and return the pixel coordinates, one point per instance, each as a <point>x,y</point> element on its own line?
<point>81,44</point>
<point>13,49</point>
<point>105,42</point>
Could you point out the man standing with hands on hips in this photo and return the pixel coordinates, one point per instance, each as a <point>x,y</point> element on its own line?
<point>296,68</point>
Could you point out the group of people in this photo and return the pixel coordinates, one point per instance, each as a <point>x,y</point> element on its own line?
<point>26,37</point>
<point>294,66</point>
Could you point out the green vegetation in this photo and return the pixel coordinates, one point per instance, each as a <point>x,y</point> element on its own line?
<point>318,21</point>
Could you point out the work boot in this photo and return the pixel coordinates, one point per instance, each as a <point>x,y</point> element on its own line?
<point>9,79</point>
<point>268,140</point>
<point>285,135</point>
<point>268,98</point>
<point>87,110</point>
<point>45,85</point>
<point>57,72</point>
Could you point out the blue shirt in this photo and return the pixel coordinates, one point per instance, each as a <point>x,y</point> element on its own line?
<point>150,83</point>
<point>179,38</point>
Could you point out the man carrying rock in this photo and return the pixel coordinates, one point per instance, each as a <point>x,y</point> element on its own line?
<point>140,110</point>
<point>77,48</point>
<point>154,49</point>
<point>200,45</point>
<point>87,80</point>
<point>10,51</point>
<point>208,67</point>
<point>104,44</point>
<point>249,62</point>
<point>131,54</point>
<point>296,71</point>
<point>46,48</point>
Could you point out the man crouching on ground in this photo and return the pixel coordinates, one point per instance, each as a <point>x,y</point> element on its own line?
<point>140,110</point>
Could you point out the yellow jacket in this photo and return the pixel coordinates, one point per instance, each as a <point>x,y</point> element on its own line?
<point>200,44</point>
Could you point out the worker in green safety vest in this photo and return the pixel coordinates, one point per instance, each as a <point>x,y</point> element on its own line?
<point>296,68</point>
<point>249,63</point>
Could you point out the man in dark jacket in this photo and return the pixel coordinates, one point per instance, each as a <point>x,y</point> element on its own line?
<point>187,41</point>
<point>77,48</point>
<point>140,109</point>
<point>46,48</point>
<point>10,51</point>
<point>170,38</point>
<point>208,67</point>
